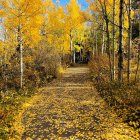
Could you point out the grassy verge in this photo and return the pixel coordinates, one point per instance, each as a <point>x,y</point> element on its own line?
<point>12,103</point>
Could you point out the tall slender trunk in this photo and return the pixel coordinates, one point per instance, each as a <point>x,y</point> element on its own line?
<point>108,46</point>
<point>129,42</point>
<point>93,53</point>
<point>93,48</point>
<point>21,65</point>
<point>103,41</point>
<point>20,46</point>
<point>138,62</point>
<point>96,47</point>
<point>74,56</point>
<point>21,56</point>
<point>71,48</point>
<point>105,49</point>
<point>139,27</point>
<point>113,41</point>
<point>120,51</point>
<point>108,38</point>
<point>5,70</point>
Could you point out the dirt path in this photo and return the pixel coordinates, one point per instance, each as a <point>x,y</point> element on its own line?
<point>71,109</point>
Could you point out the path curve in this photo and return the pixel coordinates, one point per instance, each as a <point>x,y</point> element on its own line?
<point>71,109</point>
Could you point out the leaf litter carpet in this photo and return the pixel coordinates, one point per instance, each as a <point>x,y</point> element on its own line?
<point>70,108</point>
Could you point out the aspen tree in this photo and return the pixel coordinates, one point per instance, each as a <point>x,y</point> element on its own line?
<point>120,50</point>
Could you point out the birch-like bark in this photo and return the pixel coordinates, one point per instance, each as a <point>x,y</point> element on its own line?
<point>21,56</point>
<point>74,56</point>
<point>96,47</point>
<point>105,16</point>
<point>71,48</point>
<point>21,65</point>
<point>103,40</point>
<point>93,50</point>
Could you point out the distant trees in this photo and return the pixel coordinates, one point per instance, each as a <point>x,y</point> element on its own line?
<point>33,24</point>
<point>104,30</point>
<point>22,24</point>
<point>75,18</point>
<point>117,16</point>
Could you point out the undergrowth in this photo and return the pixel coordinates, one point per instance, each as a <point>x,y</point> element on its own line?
<point>123,98</point>
<point>10,103</point>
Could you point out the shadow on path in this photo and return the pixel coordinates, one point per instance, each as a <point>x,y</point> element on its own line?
<point>71,109</point>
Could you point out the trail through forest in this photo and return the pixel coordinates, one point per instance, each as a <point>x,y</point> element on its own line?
<point>71,108</point>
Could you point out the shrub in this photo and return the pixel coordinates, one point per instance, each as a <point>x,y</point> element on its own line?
<point>10,103</point>
<point>99,67</point>
<point>123,98</point>
<point>40,66</point>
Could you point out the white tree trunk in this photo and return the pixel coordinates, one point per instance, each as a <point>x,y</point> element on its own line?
<point>103,41</point>
<point>74,57</point>
<point>96,45</point>
<point>93,49</point>
<point>21,56</point>
<point>21,65</point>
<point>71,47</point>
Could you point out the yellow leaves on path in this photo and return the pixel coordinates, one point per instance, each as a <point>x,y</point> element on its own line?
<point>68,112</point>
<point>17,125</point>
